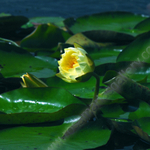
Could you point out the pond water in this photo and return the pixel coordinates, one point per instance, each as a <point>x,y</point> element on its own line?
<point>71,8</point>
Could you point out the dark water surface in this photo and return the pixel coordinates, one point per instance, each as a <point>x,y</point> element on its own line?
<point>71,8</point>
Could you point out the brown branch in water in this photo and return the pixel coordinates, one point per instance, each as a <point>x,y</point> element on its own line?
<point>88,114</point>
<point>129,89</point>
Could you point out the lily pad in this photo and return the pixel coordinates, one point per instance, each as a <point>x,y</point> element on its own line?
<point>106,55</point>
<point>143,25</point>
<point>141,112</point>
<point>45,37</point>
<point>112,111</point>
<point>109,36</point>
<point>141,126</point>
<point>43,20</point>
<point>123,22</point>
<point>36,105</point>
<point>138,50</point>
<point>85,42</point>
<point>81,89</point>
<point>94,134</point>
<point>4,14</point>
<point>15,61</point>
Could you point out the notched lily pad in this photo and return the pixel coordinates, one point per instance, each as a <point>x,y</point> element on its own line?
<point>45,37</point>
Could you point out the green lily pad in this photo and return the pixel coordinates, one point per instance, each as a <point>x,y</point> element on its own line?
<point>123,22</point>
<point>108,36</point>
<point>106,55</point>
<point>43,20</point>
<point>94,134</point>
<point>15,61</point>
<point>141,126</point>
<point>138,50</point>
<point>141,112</point>
<point>112,111</point>
<point>45,37</point>
<point>36,105</point>
<point>132,69</point>
<point>4,14</point>
<point>81,89</point>
<point>143,25</point>
<point>85,42</point>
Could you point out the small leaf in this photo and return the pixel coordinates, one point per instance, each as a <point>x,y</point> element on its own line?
<point>30,80</point>
<point>43,20</point>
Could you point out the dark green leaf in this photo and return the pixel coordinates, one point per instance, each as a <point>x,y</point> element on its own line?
<point>123,22</point>
<point>15,61</point>
<point>43,20</point>
<point>141,112</point>
<point>36,105</point>
<point>141,126</point>
<point>112,111</point>
<point>138,50</point>
<point>94,134</point>
<point>143,25</point>
<point>45,37</point>
<point>81,89</point>
<point>108,36</point>
<point>85,42</point>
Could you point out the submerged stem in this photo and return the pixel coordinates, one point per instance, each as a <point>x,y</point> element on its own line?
<point>87,114</point>
<point>96,86</point>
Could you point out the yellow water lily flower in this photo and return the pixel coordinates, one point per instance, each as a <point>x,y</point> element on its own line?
<point>75,65</point>
<point>30,80</point>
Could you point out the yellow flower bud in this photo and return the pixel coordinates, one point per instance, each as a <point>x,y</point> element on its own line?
<point>30,80</point>
<point>75,65</point>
